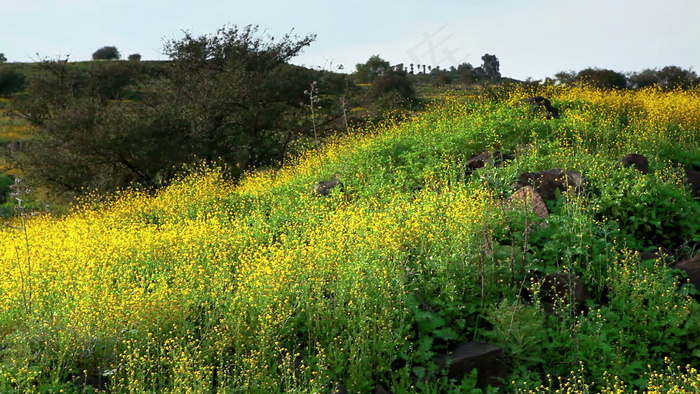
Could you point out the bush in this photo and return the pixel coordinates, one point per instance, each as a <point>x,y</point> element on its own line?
<point>11,82</point>
<point>106,53</point>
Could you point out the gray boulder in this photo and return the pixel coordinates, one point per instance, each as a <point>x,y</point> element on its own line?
<point>324,188</point>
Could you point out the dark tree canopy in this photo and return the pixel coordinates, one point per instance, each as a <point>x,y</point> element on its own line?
<point>372,69</point>
<point>602,78</point>
<point>393,89</point>
<point>229,97</point>
<point>106,53</point>
<point>491,66</point>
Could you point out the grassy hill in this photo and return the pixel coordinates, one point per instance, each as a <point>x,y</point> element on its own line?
<point>265,286</point>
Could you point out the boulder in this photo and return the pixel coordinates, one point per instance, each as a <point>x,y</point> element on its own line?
<point>526,197</point>
<point>659,254</point>
<point>484,357</point>
<point>563,286</point>
<point>692,269</point>
<point>340,389</point>
<point>541,105</point>
<point>547,182</point>
<point>640,162</point>
<point>324,188</point>
<point>379,389</point>
<point>480,160</point>
<point>692,177</point>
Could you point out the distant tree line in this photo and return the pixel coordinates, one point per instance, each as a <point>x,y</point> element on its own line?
<point>465,73</point>
<point>230,97</point>
<point>669,78</point>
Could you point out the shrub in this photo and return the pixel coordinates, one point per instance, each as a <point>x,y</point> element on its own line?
<point>11,82</point>
<point>107,53</point>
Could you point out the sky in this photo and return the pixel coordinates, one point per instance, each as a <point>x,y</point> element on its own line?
<point>531,38</point>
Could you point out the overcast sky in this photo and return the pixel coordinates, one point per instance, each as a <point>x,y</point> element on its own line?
<point>531,38</point>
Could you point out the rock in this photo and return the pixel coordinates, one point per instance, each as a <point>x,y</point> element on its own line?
<point>692,269</point>
<point>644,256</point>
<point>324,188</point>
<point>484,357</point>
<point>480,160</point>
<point>660,253</point>
<point>539,104</point>
<point>640,162</point>
<point>340,389</point>
<point>379,389</point>
<point>526,197</point>
<point>94,381</point>
<point>547,182</point>
<point>692,177</point>
<point>563,286</point>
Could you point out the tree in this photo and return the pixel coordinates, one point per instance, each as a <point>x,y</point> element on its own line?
<point>372,69</point>
<point>466,73</point>
<point>674,77</point>
<point>393,89</point>
<point>3,59</point>
<point>106,53</point>
<point>491,66</point>
<point>229,97</point>
<point>135,57</point>
<point>565,77</point>
<point>643,79</point>
<point>602,78</point>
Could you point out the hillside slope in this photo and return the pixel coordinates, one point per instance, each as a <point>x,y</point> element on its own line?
<point>266,286</point>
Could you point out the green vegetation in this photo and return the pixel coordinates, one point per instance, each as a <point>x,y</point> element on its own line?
<point>262,286</point>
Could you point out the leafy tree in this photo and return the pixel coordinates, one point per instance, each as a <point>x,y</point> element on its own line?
<point>226,97</point>
<point>372,69</point>
<point>643,79</point>
<point>674,77</point>
<point>135,57</point>
<point>670,77</point>
<point>106,53</point>
<point>109,81</point>
<point>393,89</point>
<point>3,59</point>
<point>602,78</point>
<point>565,77</point>
<point>491,66</point>
<point>443,78</point>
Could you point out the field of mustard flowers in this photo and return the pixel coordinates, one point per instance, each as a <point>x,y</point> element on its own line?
<point>262,286</point>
